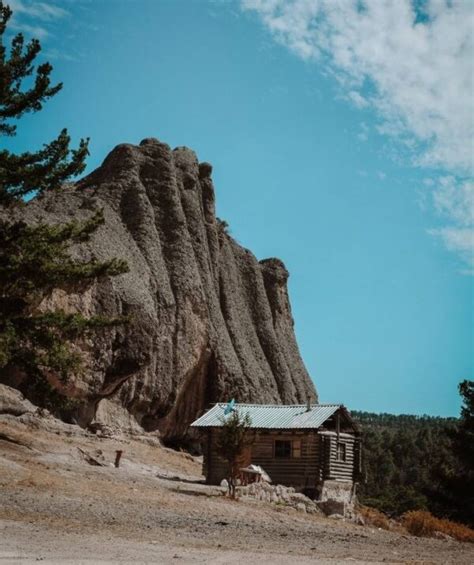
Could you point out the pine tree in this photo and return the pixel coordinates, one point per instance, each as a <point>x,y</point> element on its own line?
<point>464,436</point>
<point>456,493</point>
<point>35,259</point>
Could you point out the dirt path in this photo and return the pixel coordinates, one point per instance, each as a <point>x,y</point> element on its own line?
<point>46,546</point>
<point>57,508</point>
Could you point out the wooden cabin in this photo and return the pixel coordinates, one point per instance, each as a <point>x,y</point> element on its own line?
<point>303,446</point>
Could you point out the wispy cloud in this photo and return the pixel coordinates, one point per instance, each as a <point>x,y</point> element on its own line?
<point>357,99</point>
<point>412,65</point>
<point>455,199</point>
<point>34,18</point>
<point>461,241</point>
<point>58,54</point>
<point>363,134</point>
<point>36,31</point>
<point>45,11</point>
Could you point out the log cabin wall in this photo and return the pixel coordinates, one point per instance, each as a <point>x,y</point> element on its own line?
<point>299,468</point>
<point>315,457</point>
<point>337,456</point>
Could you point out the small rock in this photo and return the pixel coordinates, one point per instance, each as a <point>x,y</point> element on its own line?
<point>359,520</point>
<point>442,535</point>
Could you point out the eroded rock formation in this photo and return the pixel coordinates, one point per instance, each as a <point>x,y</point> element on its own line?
<point>209,321</point>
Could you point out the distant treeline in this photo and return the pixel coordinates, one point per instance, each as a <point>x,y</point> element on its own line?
<point>404,461</point>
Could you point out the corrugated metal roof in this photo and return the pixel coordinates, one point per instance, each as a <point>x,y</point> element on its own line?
<point>272,416</point>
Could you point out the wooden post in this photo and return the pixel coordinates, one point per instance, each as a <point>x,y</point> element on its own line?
<point>118,455</point>
<point>209,456</point>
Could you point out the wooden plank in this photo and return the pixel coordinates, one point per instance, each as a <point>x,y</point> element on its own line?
<point>347,472</point>
<point>349,460</point>
<point>341,477</point>
<point>342,435</point>
<point>342,464</point>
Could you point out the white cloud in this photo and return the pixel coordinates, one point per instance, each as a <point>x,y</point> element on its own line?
<point>33,18</point>
<point>45,11</point>
<point>36,31</point>
<point>461,241</point>
<point>455,200</point>
<point>420,71</point>
<point>414,69</point>
<point>357,99</point>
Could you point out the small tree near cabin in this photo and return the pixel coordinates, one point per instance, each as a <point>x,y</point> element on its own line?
<point>234,437</point>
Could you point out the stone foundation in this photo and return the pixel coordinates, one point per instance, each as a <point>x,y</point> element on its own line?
<point>337,498</point>
<point>278,494</point>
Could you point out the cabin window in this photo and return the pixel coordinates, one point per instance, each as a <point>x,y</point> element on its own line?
<point>341,451</point>
<point>282,448</point>
<point>285,449</point>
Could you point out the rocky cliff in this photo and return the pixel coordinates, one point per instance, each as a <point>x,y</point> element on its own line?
<point>209,321</point>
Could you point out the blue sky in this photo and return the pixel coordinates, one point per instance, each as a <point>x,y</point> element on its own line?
<point>341,139</point>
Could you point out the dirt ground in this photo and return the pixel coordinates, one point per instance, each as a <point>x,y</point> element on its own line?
<point>56,507</point>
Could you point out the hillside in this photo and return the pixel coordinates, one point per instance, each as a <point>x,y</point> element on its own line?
<point>57,506</point>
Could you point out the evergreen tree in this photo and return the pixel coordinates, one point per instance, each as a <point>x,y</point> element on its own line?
<point>234,437</point>
<point>464,435</point>
<point>34,259</point>
<point>456,492</point>
<point>47,168</point>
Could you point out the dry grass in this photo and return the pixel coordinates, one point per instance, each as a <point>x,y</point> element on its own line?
<point>423,524</point>
<point>375,518</point>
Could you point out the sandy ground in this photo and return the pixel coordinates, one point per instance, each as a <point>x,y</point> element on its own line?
<point>55,507</point>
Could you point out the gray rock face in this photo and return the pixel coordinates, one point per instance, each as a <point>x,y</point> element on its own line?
<point>13,402</point>
<point>209,321</point>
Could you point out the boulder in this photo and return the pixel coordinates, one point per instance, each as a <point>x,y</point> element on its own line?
<point>14,403</point>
